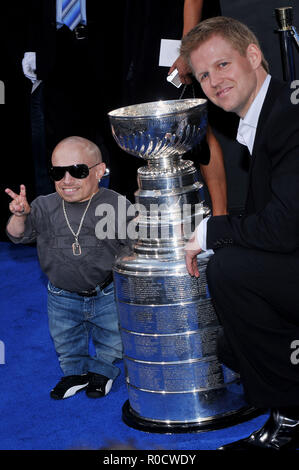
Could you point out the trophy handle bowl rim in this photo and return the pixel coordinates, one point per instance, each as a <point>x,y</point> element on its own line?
<point>114,114</point>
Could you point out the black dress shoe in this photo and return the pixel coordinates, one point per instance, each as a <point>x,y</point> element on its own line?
<point>278,433</point>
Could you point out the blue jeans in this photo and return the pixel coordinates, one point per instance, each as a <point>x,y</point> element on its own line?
<point>74,319</point>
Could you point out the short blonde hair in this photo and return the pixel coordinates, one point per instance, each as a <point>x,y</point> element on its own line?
<point>237,33</point>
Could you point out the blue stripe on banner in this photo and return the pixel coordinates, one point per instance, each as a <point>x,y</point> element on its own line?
<point>69,4</point>
<point>75,22</point>
<point>74,13</point>
<point>65,3</point>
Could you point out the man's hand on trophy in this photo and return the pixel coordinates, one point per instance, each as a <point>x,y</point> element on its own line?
<point>192,249</point>
<point>19,205</point>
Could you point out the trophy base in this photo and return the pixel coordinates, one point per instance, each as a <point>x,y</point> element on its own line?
<point>131,419</point>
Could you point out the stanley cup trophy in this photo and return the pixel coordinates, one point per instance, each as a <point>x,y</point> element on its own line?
<point>167,320</point>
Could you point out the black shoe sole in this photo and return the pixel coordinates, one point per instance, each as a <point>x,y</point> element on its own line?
<point>94,394</point>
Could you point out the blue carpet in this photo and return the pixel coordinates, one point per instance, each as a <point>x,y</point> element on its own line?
<point>30,419</point>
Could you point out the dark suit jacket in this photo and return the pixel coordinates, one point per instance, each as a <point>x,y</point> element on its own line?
<point>41,32</point>
<point>271,221</point>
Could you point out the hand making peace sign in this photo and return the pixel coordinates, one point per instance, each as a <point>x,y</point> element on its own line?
<point>19,205</point>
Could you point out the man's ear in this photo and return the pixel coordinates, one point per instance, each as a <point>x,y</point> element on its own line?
<point>254,55</point>
<point>101,170</point>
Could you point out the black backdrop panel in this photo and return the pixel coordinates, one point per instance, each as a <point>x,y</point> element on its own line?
<point>260,17</point>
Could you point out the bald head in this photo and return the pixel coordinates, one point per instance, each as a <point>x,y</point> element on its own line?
<point>77,151</point>
<point>74,149</point>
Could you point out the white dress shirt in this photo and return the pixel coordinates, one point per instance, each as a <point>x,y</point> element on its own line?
<point>245,136</point>
<point>247,125</point>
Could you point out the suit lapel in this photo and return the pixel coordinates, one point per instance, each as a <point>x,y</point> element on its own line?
<point>274,87</point>
<point>272,93</point>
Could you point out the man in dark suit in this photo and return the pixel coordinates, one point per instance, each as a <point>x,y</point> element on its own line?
<point>72,58</point>
<point>254,273</point>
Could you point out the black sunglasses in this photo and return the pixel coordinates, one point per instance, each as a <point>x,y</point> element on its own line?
<point>79,171</point>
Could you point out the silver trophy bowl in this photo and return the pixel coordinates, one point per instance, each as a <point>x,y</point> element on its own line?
<point>168,324</point>
<point>161,129</point>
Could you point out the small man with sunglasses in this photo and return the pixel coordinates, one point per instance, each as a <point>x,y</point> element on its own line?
<point>78,265</point>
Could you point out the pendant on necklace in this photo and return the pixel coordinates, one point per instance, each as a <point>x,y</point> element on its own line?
<point>76,248</point>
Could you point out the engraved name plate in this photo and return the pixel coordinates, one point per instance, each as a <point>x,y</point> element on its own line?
<point>170,318</point>
<point>183,376</point>
<point>160,290</point>
<point>176,347</point>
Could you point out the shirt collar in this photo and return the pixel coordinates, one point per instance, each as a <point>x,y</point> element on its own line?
<point>253,113</point>
<point>248,124</point>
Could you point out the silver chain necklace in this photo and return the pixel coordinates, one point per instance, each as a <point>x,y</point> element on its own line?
<point>76,245</point>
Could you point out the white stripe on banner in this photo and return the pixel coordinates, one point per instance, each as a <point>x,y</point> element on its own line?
<point>75,22</point>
